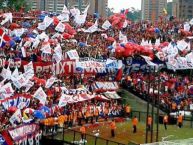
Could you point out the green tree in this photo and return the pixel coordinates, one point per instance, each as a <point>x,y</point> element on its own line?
<point>134,14</point>
<point>14,4</point>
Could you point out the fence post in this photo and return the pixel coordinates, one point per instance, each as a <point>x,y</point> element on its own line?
<point>139,115</point>
<point>95,140</point>
<point>107,142</point>
<point>74,136</point>
<point>63,133</point>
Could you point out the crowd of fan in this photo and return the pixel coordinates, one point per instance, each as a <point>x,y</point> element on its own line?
<point>174,91</point>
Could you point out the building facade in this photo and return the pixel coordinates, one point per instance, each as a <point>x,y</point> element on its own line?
<point>152,9</point>
<point>183,9</point>
<point>100,6</point>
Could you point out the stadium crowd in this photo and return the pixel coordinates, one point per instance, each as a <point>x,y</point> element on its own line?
<point>29,37</point>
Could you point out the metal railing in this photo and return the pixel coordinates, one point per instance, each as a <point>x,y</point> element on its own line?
<point>63,135</point>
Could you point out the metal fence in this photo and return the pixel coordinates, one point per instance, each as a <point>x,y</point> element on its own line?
<point>62,135</point>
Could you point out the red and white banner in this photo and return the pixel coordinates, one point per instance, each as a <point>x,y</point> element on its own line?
<point>105,86</point>
<point>23,131</point>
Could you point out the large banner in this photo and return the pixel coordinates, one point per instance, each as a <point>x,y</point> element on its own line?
<point>105,86</point>
<point>136,64</point>
<point>23,131</point>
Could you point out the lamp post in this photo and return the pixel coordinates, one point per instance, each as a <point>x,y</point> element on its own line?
<point>80,4</point>
<point>148,102</point>
<point>158,103</point>
<point>153,103</point>
<point>96,6</point>
<point>66,3</point>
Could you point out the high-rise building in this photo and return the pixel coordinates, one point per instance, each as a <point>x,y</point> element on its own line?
<point>183,9</point>
<point>100,6</point>
<point>152,9</point>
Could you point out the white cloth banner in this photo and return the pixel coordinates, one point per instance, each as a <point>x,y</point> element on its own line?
<point>50,82</point>
<point>20,81</point>
<point>64,99</point>
<point>48,21</point>
<point>6,73</point>
<point>73,54</point>
<point>46,48</point>
<point>80,19</point>
<point>42,26</point>
<point>6,91</point>
<point>58,53</point>
<point>40,95</point>
<point>186,27</point>
<point>15,74</point>
<point>182,45</point>
<point>60,27</point>
<point>29,70</point>
<point>122,38</point>
<point>28,85</point>
<point>64,17</point>
<point>93,28</point>
<point>106,25</point>
<point>8,18</point>
<point>148,60</point>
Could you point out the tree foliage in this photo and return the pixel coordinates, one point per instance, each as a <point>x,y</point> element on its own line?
<point>134,14</point>
<point>13,4</point>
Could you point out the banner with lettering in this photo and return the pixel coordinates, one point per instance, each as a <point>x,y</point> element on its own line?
<point>23,131</point>
<point>105,86</point>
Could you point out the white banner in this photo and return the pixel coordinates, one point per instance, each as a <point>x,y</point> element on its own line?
<point>60,27</point>
<point>40,95</point>
<point>29,70</point>
<point>6,91</point>
<point>50,82</point>
<point>106,25</point>
<point>73,54</point>
<point>20,81</point>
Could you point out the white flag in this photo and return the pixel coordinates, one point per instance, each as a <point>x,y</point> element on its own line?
<point>46,48</point>
<point>50,82</point>
<point>8,17</point>
<point>65,10</point>
<point>58,53</point>
<point>86,10</point>
<point>16,117</point>
<point>42,26</point>
<point>64,17</point>
<point>48,21</point>
<point>6,91</point>
<point>73,54</point>
<point>15,74</point>
<point>74,12</point>
<point>148,60</point>
<point>122,38</point>
<point>28,85</point>
<point>23,52</point>
<point>60,27</point>
<point>29,70</point>
<point>20,81</point>
<point>125,24</point>
<point>93,28</point>
<point>80,19</point>
<point>106,25</point>
<point>6,73</point>
<point>186,27</point>
<point>64,99</point>
<point>40,95</point>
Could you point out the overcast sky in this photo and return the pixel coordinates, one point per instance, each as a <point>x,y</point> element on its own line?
<point>124,4</point>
